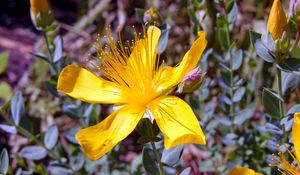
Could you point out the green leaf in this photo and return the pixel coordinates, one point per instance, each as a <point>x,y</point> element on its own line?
<point>70,134</point>
<point>232,15</point>
<point>290,65</point>
<point>271,102</point>
<point>244,114</point>
<point>4,56</point>
<point>139,13</point>
<point>237,59</point>
<point>51,136</point>
<point>147,139</point>
<point>293,109</point>
<point>41,56</point>
<point>4,161</point>
<point>77,161</point>
<point>146,128</point>
<point>163,40</point>
<point>186,171</point>
<point>148,161</point>
<point>71,110</point>
<point>5,90</point>
<point>50,28</point>
<point>9,129</point>
<point>290,82</point>
<point>17,107</point>
<point>56,170</point>
<point>261,50</point>
<point>238,95</point>
<point>58,49</point>
<point>33,152</point>
<point>192,15</point>
<point>223,38</point>
<point>172,156</point>
<point>51,86</point>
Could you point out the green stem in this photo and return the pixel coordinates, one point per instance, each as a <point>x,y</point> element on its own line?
<point>50,52</point>
<point>281,104</point>
<point>158,158</point>
<point>157,154</point>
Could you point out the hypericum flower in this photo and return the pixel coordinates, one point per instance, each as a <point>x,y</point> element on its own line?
<point>242,171</point>
<point>277,21</point>
<point>286,167</point>
<point>41,15</point>
<point>133,79</point>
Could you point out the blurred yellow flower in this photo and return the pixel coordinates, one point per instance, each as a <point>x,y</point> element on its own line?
<point>277,21</point>
<point>134,80</point>
<point>286,167</point>
<point>38,6</point>
<point>242,171</point>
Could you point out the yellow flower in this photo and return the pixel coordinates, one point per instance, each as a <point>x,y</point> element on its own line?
<point>134,80</point>
<point>38,6</point>
<point>277,21</point>
<point>283,164</point>
<point>242,171</point>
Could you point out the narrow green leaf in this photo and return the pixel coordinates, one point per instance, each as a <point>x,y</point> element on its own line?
<point>238,95</point>
<point>4,56</point>
<point>17,107</point>
<point>33,152</point>
<point>149,163</point>
<point>271,102</point>
<point>4,161</point>
<point>172,156</point>
<point>290,65</point>
<point>260,49</point>
<point>5,90</point>
<point>58,49</point>
<point>51,136</point>
<point>186,171</point>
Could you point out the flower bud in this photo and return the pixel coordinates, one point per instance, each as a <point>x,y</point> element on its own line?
<point>295,10</point>
<point>152,16</point>
<point>277,21</point>
<point>191,81</point>
<point>41,14</point>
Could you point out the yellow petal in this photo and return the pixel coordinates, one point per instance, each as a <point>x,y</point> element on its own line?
<point>82,84</point>
<point>242,171</point>
<point>296,135</point>
<point>101,138</point>
<point>145,49</point>
<point>177,121</point>
<point>277,21</point>
<point>38,6</point>
<point>167,77</point>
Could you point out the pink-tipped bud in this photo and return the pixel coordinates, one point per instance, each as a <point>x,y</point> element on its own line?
<point>192,81</point>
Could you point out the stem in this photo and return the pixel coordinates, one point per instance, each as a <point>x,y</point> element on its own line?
<point>231,93</point>
<point>157,155</point>
<point>47,44</point>
<point>160,167</point>
<point>50,52</point>
<point>281,105</point>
